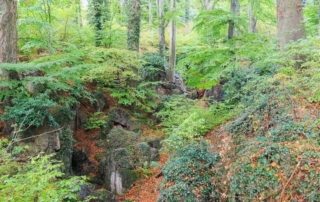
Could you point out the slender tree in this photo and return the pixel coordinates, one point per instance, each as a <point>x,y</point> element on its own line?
<point>150,18</point>
<point>98,22</point>
<point>252,17</point>
<point>235,10</point>
<point>187,11</point>
<point>133,37</point>
<point>290,18</point>
<point>161,37</point>
<point>172,48</point>
<point>319,17</point>
<point>207,5</point>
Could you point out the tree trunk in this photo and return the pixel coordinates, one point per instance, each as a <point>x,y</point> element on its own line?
<point>187,11</point>
<point>133,40</point>
<point>80,13</point>
<point>252,19</point>
<point>207,5</point>
<point>8,31</point>
<point>235,10</point>
<point>319,17</point>
<point>290,18</point>
<point>98,25</point>
<point>160,5</point>
<point>8,45</point>
<point>172,48</point>
<point>150,19</point>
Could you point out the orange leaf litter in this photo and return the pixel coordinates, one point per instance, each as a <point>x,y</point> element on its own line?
<point>147,189</point>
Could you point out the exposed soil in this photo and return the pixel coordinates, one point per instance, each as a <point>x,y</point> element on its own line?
<point>146,189</point>
<point>85,142</point>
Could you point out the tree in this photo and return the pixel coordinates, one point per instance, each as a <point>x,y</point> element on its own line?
<point>8,31</point>
<point>290,18</point>
<point>172,48</point>
<point>8,41</point>
<point>207,5</point>
<point>319,18</point>
<point>187,11</point>
<point>252,18</point>
<point>133,37</point>
<point>98,20</point>
<point>161,38</point>
<point>235,10</point>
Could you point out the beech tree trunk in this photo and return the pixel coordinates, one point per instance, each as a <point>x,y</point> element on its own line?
<point>8,31</point>
<point>234,9</point>
<point>319,17</point>
<point>8,45</point>
<point>150,18</point>
<point>252,19</point>
<point>290,18</point>
<point>133,39</point>
<point>172,48</point>
<point>207,5</point>
<point>161,38</point>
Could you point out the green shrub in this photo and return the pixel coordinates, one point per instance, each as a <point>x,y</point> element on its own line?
<point>188,175</point>
<point>264,170</point>
<point>97,120</point>
<point>39,179</point>
<point>184,121</point>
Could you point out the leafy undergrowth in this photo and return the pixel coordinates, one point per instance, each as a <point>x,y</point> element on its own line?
<point>269,152</point>
<point>2,124</point>
<point>146,189</point>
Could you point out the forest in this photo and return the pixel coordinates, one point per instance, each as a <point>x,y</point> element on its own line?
<point>159,100</point>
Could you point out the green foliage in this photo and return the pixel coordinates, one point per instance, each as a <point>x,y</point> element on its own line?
<point>118,72</point>
<point>266,167</point>
<point>38,179</point>
<point>32,111</point>
<point>311,19</point>
<point>97,120</point>
<point>216,19</point>
<point>185,121</point>
<point>188,174</point>
<point>153,67</point>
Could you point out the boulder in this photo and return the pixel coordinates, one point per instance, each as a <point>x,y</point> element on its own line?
<point>100,103</point>
<point>124,151</point>
<point>103,195</point>
<point>216,93</point>
<point>124,118</point>
<point>119,116</point>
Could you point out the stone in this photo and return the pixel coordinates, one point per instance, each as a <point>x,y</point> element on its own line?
<point>154,143</point>
<point>84,192</point>
<point>134,125</point>
<point>155,155</point>
<point>103,195</point>
<point>193,94</point>
<point>100,103</point>
<point>105,129</point>
<point>216,93</point>
<point>119,116</point>
<point>143,153</point>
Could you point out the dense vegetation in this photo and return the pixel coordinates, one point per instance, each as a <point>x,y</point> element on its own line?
<point>236,99</point>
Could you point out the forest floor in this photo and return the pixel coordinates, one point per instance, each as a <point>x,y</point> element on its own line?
<point>146,189</point>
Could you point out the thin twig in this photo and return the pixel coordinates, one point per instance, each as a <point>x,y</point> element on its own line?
<point>52,131</point>
<point>291,177</point>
